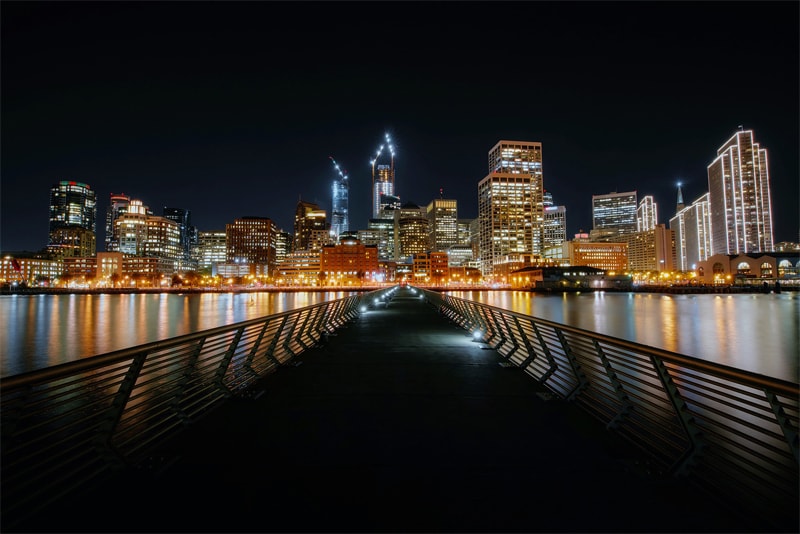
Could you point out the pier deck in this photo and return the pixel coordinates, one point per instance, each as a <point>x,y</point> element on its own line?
<point>398,423</point>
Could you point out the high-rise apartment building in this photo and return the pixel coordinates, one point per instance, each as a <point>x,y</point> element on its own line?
<point>442,217</point>
<point>382,178</point>
<point>613,214</point>
<point>739,197</point>
<point>117,205</point>
<point>692,228</point>
<point>510,203</point>
<point>646,214</point>
<point>73,213</point>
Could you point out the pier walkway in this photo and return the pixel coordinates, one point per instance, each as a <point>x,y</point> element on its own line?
<point>399,422</point>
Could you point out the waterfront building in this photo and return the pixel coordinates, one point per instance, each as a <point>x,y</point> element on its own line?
<point>510,203</point>
<point>692,228</point>
<point>252,240</point>
<point>115,269</point>
<point>739,197</point>
<point>651,250</point>
<point>430,268</point>
<point>442,217</point>
<point>299,268</point>
<point>753,268</point>
<point>30,269</point>
<point>73,214</point>
<point>607,256</point>
<point>311,230</point>
<point>349,262</point>
<point>646,214</point>
<point>613,214</point>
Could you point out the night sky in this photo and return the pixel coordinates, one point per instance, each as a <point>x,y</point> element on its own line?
<point>232,109</point>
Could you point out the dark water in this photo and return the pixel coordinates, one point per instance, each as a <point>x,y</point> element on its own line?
<point>754,332</point>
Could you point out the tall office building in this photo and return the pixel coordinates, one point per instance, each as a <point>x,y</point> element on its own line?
<point>310,227</point>
<point>252,241</point>
<point>73,213</point>
<point>613,214</point>
<point>187,232</point>
<point>382,177</point>
<point>510,203</point>
<point>211,248</point>
<point>340,219</point>
<point>554,228</point>
<point>411,231</point>
<point>442,215</point>
<point>739,197</point>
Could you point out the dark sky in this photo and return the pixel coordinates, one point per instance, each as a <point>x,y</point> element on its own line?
<point>233,108</point>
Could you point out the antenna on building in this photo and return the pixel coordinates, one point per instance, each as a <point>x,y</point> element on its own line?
<point>741,128</point>
<point>441,192</point>
<point>680,204</point>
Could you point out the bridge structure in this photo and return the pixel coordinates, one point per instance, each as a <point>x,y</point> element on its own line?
<point>398,410</point>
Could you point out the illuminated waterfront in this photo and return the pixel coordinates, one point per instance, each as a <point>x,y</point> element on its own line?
<point>754,332</point>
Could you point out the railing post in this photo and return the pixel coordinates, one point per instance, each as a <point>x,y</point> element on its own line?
<point>274,343</point>
<point>784,422</point>
<point>219,378</point>
<point>693,433</point>
<point>618,387</point>
<point>115,411</point>
<point>573,362</point>
<point>187,376</point>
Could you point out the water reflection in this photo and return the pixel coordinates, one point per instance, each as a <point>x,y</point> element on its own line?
<point>45,330</point>
<point>754,332</point>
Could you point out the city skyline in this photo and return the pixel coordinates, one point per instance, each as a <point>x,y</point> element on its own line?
<point>224,119</point>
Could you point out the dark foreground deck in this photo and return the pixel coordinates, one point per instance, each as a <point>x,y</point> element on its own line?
<point>399,423</point>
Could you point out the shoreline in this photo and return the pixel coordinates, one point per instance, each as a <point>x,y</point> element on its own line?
<point>680,290</point>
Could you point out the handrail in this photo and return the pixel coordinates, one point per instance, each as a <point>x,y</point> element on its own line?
<point>731,432</point>
<point>70,425</point>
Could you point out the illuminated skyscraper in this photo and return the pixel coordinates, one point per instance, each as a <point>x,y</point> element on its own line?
<point>188,234</point>
<point>692,228</point>
<point>340,221</point>
<point>739,197</point>
<point>613,214</point>
<point>646,214</point>
<point>118,204</point>
<point>510,203</point>
<point>252,240</point>
<point>382,178</point>
<point>310,227</point>
<point>443,224</point>
<point>73,213</point>
<point>554,229</point>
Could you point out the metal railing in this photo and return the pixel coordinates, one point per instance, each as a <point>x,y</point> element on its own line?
<point>71,425</point>
<point>732,432</point>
